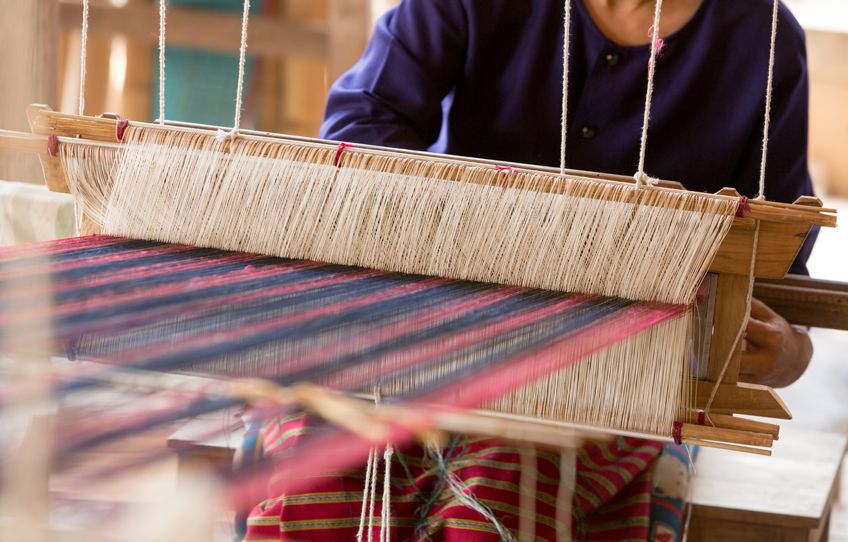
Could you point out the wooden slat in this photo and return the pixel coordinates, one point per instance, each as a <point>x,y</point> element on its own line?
<point>739,424</point>
<point>200,28</point>
<point>742,398</point>
<point>731,304</point>
<point>778,245</point>
<point>807,302</point>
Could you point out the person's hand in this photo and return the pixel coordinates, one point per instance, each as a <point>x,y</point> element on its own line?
<point>774,353</point>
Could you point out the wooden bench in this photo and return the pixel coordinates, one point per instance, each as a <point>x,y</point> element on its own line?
<point>784,498</point>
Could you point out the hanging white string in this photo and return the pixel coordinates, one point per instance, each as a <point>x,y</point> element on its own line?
<point>386,522</point>
<point>656,42</point>
<point>370,482</point>
<point>162,62</point>
<point>222,135</point>
<point>83,49</point>
<point>565,47</point>
<point>769,91</point>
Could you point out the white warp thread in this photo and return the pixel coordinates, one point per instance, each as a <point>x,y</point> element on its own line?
<point>162,62</point>
<point>641,178</point>
<point>370,475</point>
<point>83,48</point>
<point>565,47</point>
<point>769,92</point>
<point>222,135</point>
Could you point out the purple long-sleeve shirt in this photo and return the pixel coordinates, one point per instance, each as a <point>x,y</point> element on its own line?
<point>483,78</point>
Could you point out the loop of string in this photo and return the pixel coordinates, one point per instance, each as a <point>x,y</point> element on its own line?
<point>83,48</point>
<point>162,62</point>
<point>222,135</point>
<point>565,47</point>
<point>656,45</point>
<point>769,92</point>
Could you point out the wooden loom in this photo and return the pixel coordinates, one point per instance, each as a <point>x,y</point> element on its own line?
<point>783,230</point>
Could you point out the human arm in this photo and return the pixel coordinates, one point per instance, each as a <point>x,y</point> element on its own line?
<point>394,93</point>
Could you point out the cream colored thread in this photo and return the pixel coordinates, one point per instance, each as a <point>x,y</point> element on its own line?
<point>232,135</point>
<point>769,92</point>
<point>386,523</point>
<point>641,177</point>
<point>83,52</point>
<point>565,48</point>
<point>370,471</point>
<point>162,13</point>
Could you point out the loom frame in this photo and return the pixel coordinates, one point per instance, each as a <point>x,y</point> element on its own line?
<point>783,230</point>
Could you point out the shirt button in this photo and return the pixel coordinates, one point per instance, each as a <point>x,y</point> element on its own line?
<point>612,59</point>
<point>589,132</point>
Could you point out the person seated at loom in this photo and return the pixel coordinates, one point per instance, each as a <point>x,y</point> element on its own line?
<point>485,79</point>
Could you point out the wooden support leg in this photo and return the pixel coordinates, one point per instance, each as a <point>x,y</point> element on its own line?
<point>731,301</point>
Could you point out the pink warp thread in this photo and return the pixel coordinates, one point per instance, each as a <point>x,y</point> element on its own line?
<point>340,150</point>
<point>52,144</point>
<point>744,207</point>
<point>122,127</point>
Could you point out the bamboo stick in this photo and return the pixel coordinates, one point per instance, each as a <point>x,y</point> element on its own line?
<point>739,424</point>
<point>705,432</point>
<point>730,447</point>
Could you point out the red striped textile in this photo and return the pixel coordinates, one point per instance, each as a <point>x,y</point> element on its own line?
<point>612,498</point>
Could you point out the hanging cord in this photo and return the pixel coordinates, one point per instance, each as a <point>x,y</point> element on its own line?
<point>83,50</point>
<point>769,92</point>
<point>761,197</point>
<point>162,62</point>
<point>222,135</point>
<point>656,46</point>
<point>386,523</point>
<point>567,34</point>
<point>370,481</point>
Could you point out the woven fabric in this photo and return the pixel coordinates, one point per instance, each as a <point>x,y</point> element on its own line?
<point>30,213</point>
<point>612,497</point>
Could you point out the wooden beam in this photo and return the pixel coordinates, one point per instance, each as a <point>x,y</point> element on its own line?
<point>742,398</point>
<point>806,302</point>
<point>202,29</point>
<point>778,245</point>
<point>731,305</point>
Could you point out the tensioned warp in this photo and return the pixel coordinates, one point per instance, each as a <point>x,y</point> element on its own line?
<point>165,307</point>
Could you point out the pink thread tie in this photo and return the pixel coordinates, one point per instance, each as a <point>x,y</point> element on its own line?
<point>506,171</point>
<point>701,416</point>
<point>677,433</point>
<point>341,148</point>
<point>744,207</point>
<point>122,127</point>
<point>52,144</point>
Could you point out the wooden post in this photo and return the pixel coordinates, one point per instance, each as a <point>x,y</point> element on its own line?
<point>349,22</point>
<point>731,305</point>
<point>28,73</point>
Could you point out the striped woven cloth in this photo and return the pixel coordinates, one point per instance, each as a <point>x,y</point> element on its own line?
<point>612,499</point>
